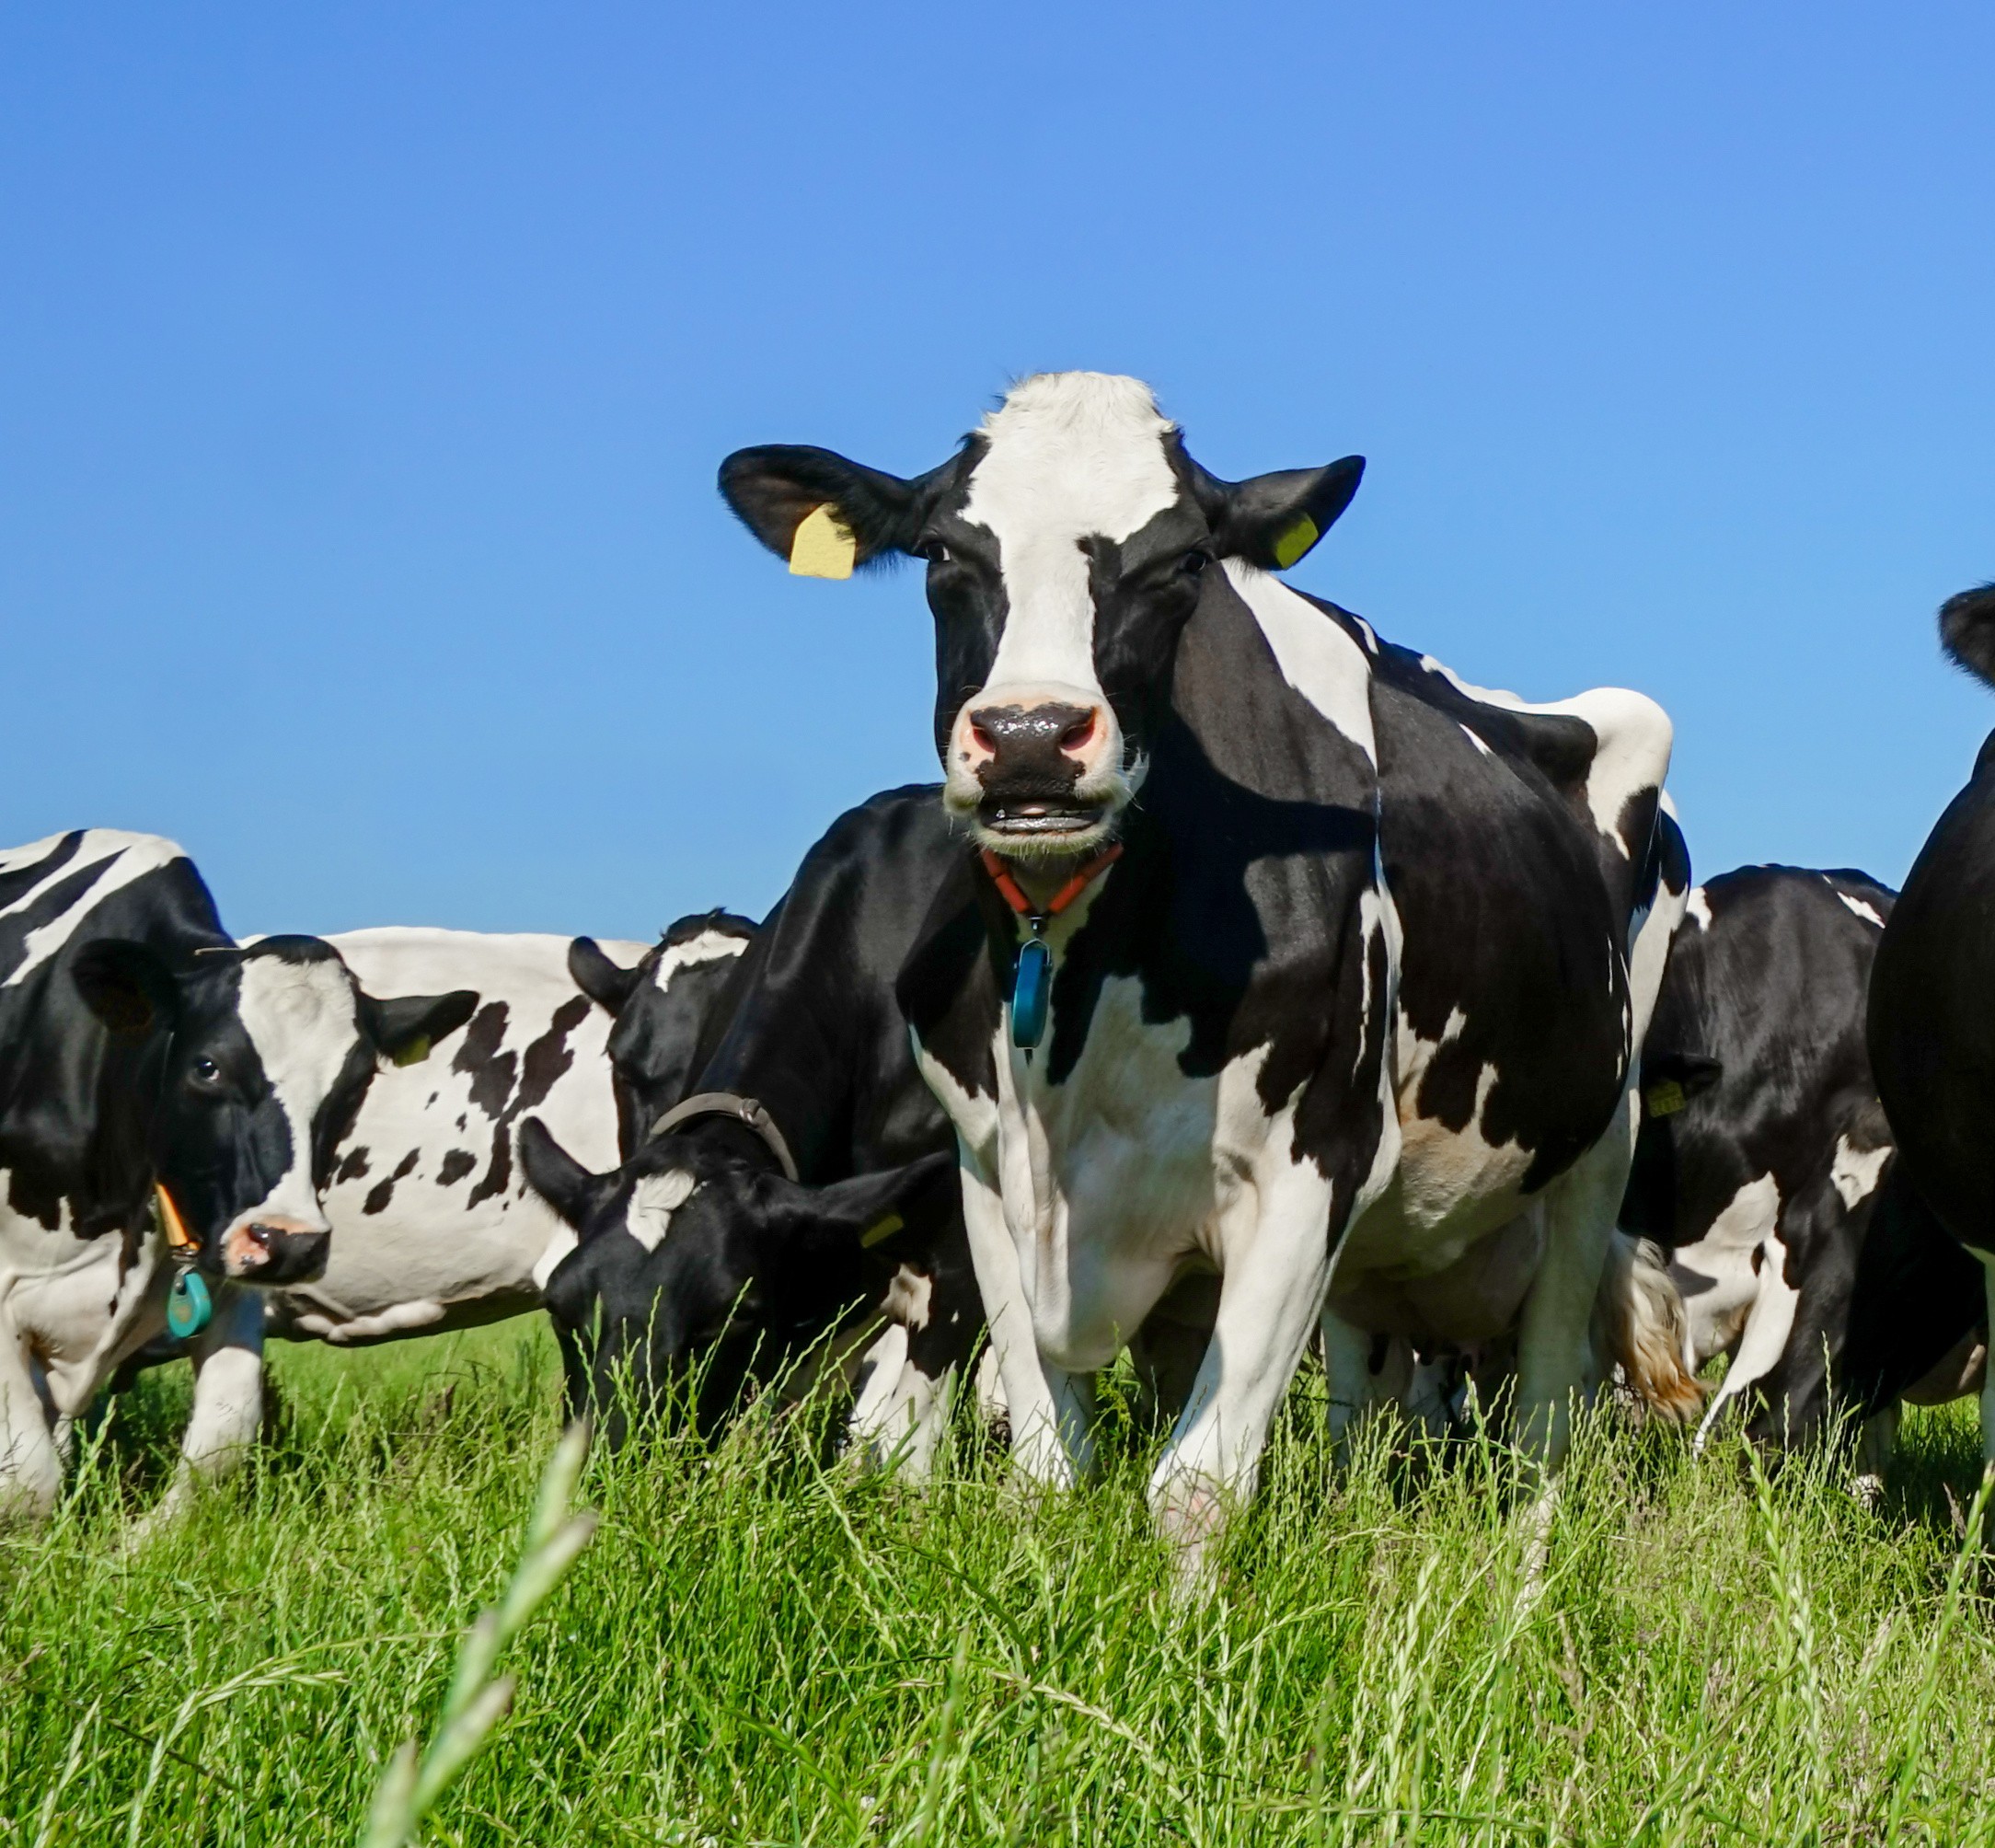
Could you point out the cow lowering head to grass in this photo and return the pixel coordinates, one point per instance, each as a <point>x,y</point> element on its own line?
<point>1352,1017</point>
<point>170,1104</point>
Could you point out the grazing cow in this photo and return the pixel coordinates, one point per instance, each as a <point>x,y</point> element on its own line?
<point>1351,1020</point>
<point>1763,1155</point>
<point>434,1227</point>
<point>1931,1023</point>
<point>169,1103</point>
<point>803,1185</point>
<point>660,1008</point>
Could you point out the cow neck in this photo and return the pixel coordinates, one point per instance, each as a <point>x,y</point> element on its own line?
<point>746,1111</point>
<point>1031,979</point>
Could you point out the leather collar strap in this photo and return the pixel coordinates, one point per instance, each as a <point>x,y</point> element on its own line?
<point>743,1110</point>
<point>1008,887</point>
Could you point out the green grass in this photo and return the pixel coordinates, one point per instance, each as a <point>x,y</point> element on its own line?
<point>757,1648</point>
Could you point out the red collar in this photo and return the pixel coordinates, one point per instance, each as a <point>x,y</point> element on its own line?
<point>1008,887</point>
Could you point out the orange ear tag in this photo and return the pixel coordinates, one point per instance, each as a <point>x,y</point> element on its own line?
<point>170,1223</point>
<point>822,548</point>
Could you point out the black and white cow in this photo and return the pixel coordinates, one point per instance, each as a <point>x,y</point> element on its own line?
<point>1932,1020</point>
<point>1351,1021</point>
<point>1764,1154</point>
<point>721,1250</point>
<point>659,1007</point>
<point>434,1227</point>
<point>160,1088</point>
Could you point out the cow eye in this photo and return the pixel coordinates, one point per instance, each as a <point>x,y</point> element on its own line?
<point>937,553</point>
<point>205,1071</point>
<point>1194,561</point>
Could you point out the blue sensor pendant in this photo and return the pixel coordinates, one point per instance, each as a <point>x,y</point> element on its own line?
<point>1032,988</point>
<point>189,1305</point>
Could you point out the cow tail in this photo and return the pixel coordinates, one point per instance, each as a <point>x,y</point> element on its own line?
<point>1641,1327</point>
<point>1967,630</point>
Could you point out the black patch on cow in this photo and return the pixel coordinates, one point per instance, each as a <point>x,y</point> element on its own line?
<point>454,1166</point>
<point>380,1194</point>
<point>352,1164</point>
<point>490,1071</point>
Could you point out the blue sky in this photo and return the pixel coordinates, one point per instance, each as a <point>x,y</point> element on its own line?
<point>364,372</point>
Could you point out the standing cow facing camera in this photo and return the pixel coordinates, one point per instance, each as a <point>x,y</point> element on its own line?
<point>169,1105</point>
<point>1764,1165</point>
<point>1351,1021</point>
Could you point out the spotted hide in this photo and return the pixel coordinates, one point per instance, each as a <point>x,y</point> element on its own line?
<point>1351,1020</point>
<point>1932,1016</point>
<point>700,1260</point>
<point>160,1087</point>
<point>1764,1160</point>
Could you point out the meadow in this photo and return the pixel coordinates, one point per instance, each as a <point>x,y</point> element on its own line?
<point>761,1646</point>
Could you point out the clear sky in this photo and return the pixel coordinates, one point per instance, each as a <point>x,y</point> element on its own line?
<point>364,371</point>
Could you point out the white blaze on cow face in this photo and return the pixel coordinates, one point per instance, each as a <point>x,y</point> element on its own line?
<point>303,1022</point>
<point>1068,458</point>
<point>654,1201</point>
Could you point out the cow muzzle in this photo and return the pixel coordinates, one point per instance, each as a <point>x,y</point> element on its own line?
<point>1039,772</point>
<point>268,1250</point>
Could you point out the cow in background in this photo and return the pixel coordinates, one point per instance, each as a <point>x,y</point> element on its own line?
<point>169,1105</point>
<point>1764,1161</point>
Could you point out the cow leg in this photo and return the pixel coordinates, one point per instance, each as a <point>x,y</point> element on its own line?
<point>30,1468</point>
<point>1555,1351</point>
<point>228,1400</point>
<point>1348,1374</point>
<point>1051,1441</point>
<point>1875,1444</point>
<point>1987,1378</point>
<point>1768,1323</point>
<point>902,1409</point>
<point>1271,1295</point>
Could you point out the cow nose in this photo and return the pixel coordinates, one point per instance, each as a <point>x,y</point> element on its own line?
<point>276,1252</point>
<point>1046,743</point>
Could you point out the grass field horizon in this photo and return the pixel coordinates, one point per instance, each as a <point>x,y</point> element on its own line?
<point>761,1647</point>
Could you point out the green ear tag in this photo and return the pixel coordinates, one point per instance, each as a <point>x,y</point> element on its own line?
<point>1664,1099</point>
<point>415,1052</point>
<point>882,1228</point>
<point>189,1305</point>
<point>1295,541</point>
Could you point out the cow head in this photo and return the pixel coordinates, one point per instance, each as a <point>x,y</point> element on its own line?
<point>260,1057</point>
<point>1067,544</point>
<point>696,1274</point>
<point>660,1008</point>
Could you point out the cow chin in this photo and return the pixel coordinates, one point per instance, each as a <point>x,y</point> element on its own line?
<point>1028,825</point>
<point>270,1253</point>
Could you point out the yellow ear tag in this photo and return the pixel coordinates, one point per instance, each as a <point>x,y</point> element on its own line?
<point>415,1052</point>
<point>1664,1099</point>
<point>1296,540</point>
<point>821,546</point>
<point>882,1228</point>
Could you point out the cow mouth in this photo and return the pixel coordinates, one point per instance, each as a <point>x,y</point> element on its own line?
<point>1038,820</point>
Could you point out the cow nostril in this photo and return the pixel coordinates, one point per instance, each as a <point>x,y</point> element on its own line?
<point>1077,736</point>
<point>982,739</point>
<point>262,1237</point>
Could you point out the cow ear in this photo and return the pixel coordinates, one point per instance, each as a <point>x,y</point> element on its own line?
<point>125,985</point>
<point>1274,520</point>
<point>826,515</point>
<point>871,1207</point>
<point>555,1175</point>
<point>609,984</point>
<point>404,1029</point>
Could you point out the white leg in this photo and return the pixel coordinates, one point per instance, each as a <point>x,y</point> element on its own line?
<point>1555,1352</point>
<point>1277,1265</point>
<point>1764,1338</point>
<point>901,1414</point>
<point>1347,1373</point>
<point>30,1470</point>
<point>228,1398</point>
<point>1050,1441</point>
